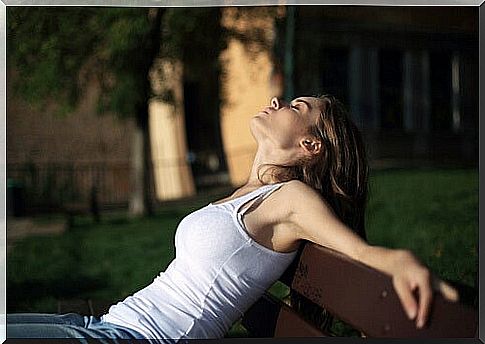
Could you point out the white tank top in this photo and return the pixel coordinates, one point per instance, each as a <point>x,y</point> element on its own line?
<point>218,272</point>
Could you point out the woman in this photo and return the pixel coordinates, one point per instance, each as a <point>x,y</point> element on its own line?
<point>308,182</point>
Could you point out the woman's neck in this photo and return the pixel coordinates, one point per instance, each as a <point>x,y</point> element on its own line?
<point>261,162</point>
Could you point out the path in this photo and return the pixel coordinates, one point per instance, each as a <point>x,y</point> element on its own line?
<point>19,228</point>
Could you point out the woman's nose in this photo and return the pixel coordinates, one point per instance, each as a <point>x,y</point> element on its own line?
<point>275,103</point>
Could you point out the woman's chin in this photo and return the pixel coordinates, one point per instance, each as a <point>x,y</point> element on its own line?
<point>255,127</point>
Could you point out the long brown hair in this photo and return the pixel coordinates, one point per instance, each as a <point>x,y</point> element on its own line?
<point>340,171</point>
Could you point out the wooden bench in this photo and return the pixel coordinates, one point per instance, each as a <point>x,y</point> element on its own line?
<point>338,287</point>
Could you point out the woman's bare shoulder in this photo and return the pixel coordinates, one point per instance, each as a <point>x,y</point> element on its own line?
<point>298,193</point>
<point>299,189</point>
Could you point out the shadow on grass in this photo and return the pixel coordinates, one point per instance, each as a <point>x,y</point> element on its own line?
<point>108,260</point>
<point>66,287</point>
<point>121,218</point>
<point>45,269</point>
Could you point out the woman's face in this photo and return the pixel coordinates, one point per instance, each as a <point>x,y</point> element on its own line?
<point>286,125</point>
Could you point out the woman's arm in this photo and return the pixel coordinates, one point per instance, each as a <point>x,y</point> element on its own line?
<point>316,222</point>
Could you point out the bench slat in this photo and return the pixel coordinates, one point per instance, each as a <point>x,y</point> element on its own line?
<point>260,319</point>
<point>365,298</point>
<point>270,317</point>
<point>290,324</point>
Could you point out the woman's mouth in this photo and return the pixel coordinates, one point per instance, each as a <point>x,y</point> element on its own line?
<point>267,110</point>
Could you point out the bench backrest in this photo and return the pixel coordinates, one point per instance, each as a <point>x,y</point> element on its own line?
<point>358,295</point>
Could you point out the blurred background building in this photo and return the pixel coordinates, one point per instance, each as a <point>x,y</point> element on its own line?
<point>408,75</point>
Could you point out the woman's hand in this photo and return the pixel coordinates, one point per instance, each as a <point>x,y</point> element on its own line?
<point>415,285</point>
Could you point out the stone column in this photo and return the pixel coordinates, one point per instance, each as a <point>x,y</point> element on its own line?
<point>364,87</point>
<point>364,94</point>
<point>369,90</point>
<point>467,96</point>
<point>355,84</point>
<point>172,173</point>
<point>455,92</point>
<point>246,88</point>
<point>408,96</point>
<point>416,97</point>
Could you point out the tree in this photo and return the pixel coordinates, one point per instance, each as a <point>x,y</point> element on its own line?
<point>56,50</point>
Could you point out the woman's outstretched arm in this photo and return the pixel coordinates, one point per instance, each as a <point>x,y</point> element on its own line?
<point>316,222</point>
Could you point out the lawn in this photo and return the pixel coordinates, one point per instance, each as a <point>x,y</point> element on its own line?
<point>432,212</point>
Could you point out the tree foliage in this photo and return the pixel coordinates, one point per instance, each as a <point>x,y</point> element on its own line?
<point>44,48</point>
<point>57,51</point>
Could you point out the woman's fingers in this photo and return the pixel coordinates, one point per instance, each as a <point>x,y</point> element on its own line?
<point>406,297</point>
<point>425,298</point>
<point>415,286</point>
<point>418,305</point>
<point>415,295</point>
<point>448,292</point>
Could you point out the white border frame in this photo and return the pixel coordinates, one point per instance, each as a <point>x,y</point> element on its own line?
<point>168,3</point>
<point>216,3</point>
<point>3,167</point>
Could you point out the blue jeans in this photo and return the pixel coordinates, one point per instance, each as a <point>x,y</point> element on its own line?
<point>70,325</point>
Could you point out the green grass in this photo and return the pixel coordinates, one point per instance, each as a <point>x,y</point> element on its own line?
<point>108,261</point>
<point>432,212</point>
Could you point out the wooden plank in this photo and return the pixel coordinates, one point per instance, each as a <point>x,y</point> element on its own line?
<point>365,298</point>
<point>291,324</point>
<point>270,317</point>
<point>260,319</point>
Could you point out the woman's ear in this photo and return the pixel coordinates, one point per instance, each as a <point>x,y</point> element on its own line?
<point>311,145</point>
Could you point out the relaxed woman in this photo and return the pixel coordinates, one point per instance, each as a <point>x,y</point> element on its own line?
<point>308,182</point>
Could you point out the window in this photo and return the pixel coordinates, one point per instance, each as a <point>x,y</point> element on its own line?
<point>441,92</point>
<point>391,88</point>
<point>334,72</point>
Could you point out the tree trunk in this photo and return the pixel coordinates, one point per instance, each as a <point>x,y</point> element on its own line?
<point>137,207</point>
<point>141,199</point>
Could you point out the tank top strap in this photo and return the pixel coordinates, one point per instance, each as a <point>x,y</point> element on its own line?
<point>254,197</point>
